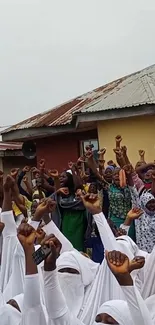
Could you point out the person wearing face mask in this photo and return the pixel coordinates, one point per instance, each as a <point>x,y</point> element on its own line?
<point>75,273</point>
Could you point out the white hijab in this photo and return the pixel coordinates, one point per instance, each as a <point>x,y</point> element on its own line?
<point>19,299</point>
<point>118,310</point>
<point>130,244</point>
<point>9,315</point>
<point>73,285</point>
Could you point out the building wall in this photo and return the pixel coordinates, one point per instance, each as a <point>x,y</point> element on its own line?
<point>59,150</point>
<point>16,162</point>
<point>138,133</point>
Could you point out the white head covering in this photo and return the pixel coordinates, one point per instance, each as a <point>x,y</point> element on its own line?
<point>130,244</point>
<point>118,310</point>
<point>9,315</point>
<point>75,260</point>
<point>73,285</point>
<point>19,300</point>
<point>69,171</point>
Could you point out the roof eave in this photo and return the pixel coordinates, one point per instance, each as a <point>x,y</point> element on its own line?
<point>113,114</point>
<point>35,133</point>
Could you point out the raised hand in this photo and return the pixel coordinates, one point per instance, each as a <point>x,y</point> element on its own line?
<point>101,154</point>
<point>118,262</point>
<point>9,183</point>
<point>14,172</point>
<point>92,203</point>
<point>26,235</point>
<point>120,267</point>
<point>81,160</point>
<point>54,244</point>
<point>120,232</point>
<point>26,169</point>
<point>141,153</point>
<point>53,173</point>
<point>35,170</point>
<point>137,263</point>
<point>42,164</point>
<point>46,206</point>
<point>118,153</point>
<point>134,213</point>
<point>25,179</point>
<point>118,140</point>
<point>128,169</point>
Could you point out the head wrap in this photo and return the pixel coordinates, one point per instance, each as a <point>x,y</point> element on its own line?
<point>145,198</point>
<point>118,310</point>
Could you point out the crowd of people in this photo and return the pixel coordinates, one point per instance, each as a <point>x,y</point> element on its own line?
<point>77,247</point>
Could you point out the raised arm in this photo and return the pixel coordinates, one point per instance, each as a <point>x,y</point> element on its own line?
<point>55,302</point>
<point>92,203</point>
<point>121,267</point>
<point>9,233</point>
<point>32,310</point>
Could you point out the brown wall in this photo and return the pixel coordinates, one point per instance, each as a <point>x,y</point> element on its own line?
<point>59,150</point>
<point>16,162</point>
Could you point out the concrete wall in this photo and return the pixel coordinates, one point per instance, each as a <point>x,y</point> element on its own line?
<point>138,133</point>
<point>59,150</point>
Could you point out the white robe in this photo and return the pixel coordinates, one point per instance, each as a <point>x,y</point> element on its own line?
<point>33,312</point>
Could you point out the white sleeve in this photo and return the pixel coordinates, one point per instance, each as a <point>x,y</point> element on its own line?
<point>108,239</point>
<point>34,224</point>
<point>55,302</point>
<point>134,197</point>
<point>126,228</point>
<point>32,312</point>
<point>51,228</point>
<point>9,245</point>
<point>10,228</point>
<point>138,309</point>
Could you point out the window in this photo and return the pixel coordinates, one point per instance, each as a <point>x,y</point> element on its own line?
<point>93,142</point>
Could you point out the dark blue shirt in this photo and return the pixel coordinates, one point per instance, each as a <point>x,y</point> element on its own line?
<point>97,248</point>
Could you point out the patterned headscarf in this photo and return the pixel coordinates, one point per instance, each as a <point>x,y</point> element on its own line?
<point>144,199</point>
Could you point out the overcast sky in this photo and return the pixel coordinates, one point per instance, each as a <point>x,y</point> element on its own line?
<point>54,50</point>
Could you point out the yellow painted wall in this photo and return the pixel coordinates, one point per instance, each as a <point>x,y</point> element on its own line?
<point>138,133</point>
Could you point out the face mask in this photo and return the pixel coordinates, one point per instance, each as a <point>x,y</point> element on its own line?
<point>73,290</point>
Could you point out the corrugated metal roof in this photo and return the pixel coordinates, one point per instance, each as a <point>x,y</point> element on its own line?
<point>10,146</point>
<point>132,90</point>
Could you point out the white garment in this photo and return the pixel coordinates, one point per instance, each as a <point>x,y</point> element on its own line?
<point>75,260</point>
<point>51,228</point>
<point>138,309</point>
<point>9,246</point>
<point>34,224</point>
<point>33,311</point>
<point>118,310</point>
<point>9,315</point>
<point>150,303</point>
<point>15,285</point>
<point>19,219</point>
<point>148,287</point>
<point>19,299</point>
<point>73,285</point>
<point>105,287</point>
<point>58,312</point>
<point>73,290</point>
